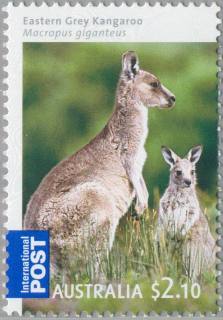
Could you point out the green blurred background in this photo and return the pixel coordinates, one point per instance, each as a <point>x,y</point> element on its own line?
<point>69,92</point>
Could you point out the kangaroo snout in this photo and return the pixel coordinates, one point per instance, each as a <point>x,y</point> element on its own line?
<point>167,98</point>
<point>187,182</point>
<point>172,101</point>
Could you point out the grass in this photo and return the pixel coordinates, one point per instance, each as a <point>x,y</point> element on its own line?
<point>137,258</point>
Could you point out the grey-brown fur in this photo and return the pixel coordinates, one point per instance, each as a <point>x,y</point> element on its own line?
<point>180,214</point>
<point>85,195</point>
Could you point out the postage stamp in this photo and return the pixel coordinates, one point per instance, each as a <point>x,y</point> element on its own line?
<point>112,158</point>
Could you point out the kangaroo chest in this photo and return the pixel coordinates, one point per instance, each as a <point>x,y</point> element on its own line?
<point>179,212</point>
<point>143,131</point>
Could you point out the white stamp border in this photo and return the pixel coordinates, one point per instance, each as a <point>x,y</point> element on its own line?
<point>3,142</point>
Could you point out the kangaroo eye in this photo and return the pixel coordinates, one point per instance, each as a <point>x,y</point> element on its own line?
<point>178,173</point>
<point>155,84</point>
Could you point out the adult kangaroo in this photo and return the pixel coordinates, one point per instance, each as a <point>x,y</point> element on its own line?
<point>82,199</point>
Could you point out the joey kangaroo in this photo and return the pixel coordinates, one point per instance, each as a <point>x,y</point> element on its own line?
<point>180,213</point>
<point>85,195</point>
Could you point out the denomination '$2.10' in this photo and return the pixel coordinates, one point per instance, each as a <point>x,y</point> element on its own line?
<point>187,290</point>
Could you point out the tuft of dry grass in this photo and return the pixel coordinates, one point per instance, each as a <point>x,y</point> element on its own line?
<point>137,251</point>
<point>136,257</point>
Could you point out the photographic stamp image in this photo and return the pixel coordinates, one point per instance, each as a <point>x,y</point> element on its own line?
<point>112,159</point>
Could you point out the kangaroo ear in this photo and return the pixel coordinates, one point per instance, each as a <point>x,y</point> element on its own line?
<point>169,156</point>
<point>194,154</point>
<point>130,64</point>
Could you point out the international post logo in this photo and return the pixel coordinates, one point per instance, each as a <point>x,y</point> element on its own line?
<point>28,264</point>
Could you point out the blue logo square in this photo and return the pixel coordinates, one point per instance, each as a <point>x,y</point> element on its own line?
<point>28,264</point>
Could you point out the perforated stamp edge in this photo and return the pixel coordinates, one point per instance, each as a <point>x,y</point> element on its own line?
<point>3,157</point>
